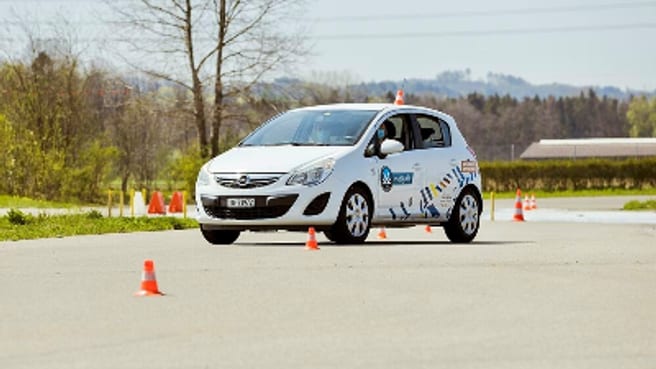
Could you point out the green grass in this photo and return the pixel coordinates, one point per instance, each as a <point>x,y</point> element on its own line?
<point>570,193</point>
<point>640,205</point>
<point>24,202</point>
<point>17,225</point>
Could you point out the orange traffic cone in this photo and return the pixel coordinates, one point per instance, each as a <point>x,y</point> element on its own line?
<point>148,281</point>
<point>534,205</point>
<point>382,234</point>
<point>176,202</point>
<point>527,203</point>
<point>428,229</point>
<point>311,243</point>
<point>399,98</point>
<point>519,215</point>
<point>156,205</point>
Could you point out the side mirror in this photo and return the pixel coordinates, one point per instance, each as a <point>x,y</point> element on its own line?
<point>390,146</point>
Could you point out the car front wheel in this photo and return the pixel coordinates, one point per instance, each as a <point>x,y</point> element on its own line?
<point>463,225</point>
<point>354,220</point>
<point>219,236</point>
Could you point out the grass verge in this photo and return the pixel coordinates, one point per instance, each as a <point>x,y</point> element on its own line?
<point>640,205</point>
<point>24,202</point>
<point>581,193</point>
<point>17,225</point>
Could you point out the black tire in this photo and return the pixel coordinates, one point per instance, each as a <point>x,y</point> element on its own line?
<point>219,236</point>
<point>463,225</point>
<point>354,220</point>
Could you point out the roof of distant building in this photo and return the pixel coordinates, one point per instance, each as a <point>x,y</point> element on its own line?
<point>591,148</point>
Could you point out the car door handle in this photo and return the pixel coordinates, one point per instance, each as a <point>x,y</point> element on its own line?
<point>454,162</point>
<point>416,166</point>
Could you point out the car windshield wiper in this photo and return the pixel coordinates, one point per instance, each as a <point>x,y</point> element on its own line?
<point>287,143</point>
<point>295,143</point>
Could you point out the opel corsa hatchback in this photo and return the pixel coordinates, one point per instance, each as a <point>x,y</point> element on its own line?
<point>342,169</point>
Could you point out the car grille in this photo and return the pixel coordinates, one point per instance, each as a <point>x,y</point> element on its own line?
<point>246,180</point>
<point>245,214</point>
<point>265,207</point>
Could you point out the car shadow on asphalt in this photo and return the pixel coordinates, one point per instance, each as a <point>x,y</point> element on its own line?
<point>384,244</point>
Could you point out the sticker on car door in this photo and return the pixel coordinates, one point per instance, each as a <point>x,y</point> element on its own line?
<point>388,179</point>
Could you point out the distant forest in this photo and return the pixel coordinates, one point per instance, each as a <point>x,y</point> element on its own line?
<point>498,127</point>
<point>70,132</point>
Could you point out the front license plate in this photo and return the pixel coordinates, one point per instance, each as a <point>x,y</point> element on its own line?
<point>241,203</point>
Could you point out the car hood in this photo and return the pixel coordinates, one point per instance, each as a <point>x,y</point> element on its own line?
<point>271,159</point>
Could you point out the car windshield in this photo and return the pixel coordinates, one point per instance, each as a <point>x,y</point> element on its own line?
<point>312,128</point>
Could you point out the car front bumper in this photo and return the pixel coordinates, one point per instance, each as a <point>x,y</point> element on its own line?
<point>277,206</point>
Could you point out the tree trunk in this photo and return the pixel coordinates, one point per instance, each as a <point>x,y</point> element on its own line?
<point>197,86</point>
<point>218,82</point>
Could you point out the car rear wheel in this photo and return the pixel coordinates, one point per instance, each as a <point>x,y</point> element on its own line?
<point>219,236</point>
<point>463,225</point>
<point>354,220</point>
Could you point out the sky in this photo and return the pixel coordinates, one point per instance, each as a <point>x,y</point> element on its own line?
<point>576,42</point>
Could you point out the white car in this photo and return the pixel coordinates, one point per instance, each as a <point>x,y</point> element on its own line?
<point>342,169</point>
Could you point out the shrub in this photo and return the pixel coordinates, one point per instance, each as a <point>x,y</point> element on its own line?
<point>17,217</point>
<point>560,175</point>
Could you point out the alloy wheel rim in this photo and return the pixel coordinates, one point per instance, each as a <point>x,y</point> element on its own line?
<point>469,214</point>
<point>357,215</point>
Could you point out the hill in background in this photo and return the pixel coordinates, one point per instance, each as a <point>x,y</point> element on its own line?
<point>454,84</point>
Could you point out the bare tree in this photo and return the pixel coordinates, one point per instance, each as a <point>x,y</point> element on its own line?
<point>243,40</point>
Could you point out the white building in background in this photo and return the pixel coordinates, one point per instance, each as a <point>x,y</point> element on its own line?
<point>587,148</point>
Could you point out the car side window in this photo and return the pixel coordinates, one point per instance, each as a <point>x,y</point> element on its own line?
<point>402,130</point>
<point>434,132</point>
<point>397,127</point>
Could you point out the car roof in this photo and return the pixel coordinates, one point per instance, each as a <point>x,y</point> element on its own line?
<point>379,107</point>
<point>348,106</point>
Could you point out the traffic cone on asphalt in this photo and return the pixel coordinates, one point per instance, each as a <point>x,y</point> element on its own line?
<point>156,205</point>
<point>399,98</point>
<point>519,214</point>
<point>428,229</point>
<point>148,281</point>
<point>176,202</point>
<point>382,235</point>
<point>527,203</point>
<point>311,243</point>
<point>534,205</point>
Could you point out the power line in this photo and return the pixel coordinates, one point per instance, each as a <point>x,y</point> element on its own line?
<point>471,33</point>
<point>489,32</point>
<point>420,16</point>
<point>487,13</point>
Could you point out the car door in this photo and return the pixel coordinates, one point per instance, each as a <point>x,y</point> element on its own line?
<point>442,176</point>
<point>400,175</point>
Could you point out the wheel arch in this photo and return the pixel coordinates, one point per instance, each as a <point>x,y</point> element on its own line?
<point>477,193</point>
<point>366,189</point>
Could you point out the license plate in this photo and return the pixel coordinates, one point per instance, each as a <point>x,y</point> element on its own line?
<point>241,203</point>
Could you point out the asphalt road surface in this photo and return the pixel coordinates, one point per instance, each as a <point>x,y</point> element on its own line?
<point>523,295</point>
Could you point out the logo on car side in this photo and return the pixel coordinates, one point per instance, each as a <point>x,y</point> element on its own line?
<point>386,180</point>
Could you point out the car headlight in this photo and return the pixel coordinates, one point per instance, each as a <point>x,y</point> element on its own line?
<point>312,174</point>
<point>204,178</point>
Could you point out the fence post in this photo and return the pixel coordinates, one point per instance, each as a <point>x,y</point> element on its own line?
<point>121,199</point>
<point>492,206</point>
<point>109,203</point>
<point>184,204</point>
<point>132,202</point>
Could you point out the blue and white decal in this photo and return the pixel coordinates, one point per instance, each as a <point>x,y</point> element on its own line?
<point>386,180</point>
<point>402,178</point>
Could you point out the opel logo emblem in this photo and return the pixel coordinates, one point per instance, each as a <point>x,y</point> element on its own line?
<point>244,181</point>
